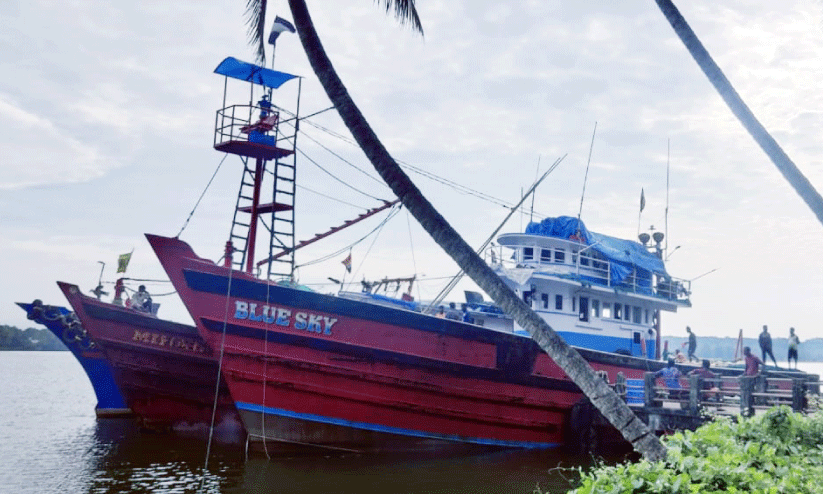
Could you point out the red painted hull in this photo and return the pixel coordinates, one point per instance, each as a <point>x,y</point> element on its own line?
<point>165,370</point>
<point>309,368</point>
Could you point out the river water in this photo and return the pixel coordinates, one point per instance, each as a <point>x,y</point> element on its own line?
<point>50,442</point>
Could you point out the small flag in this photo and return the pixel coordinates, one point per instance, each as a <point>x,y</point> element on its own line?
<point>280,26</point>
<point>642,200</point>
<point>123,262</point>
<point>347,262</point>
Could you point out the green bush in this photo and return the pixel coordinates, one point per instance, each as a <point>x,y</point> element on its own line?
<point>776,452</point>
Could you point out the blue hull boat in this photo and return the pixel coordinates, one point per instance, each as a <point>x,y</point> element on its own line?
<point>62,323</point>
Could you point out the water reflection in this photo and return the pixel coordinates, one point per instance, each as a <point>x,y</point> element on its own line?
<point>53,443</point>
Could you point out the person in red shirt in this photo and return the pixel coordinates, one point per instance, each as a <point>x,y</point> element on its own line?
<point>753,362</point>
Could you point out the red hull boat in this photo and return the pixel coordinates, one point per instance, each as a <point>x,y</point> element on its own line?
<point>165,371</point>
<point>316,369</point>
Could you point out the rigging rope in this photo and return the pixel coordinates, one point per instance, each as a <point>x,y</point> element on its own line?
<point>217,382</point>
<point>186,223</point>
<point>300,150</point>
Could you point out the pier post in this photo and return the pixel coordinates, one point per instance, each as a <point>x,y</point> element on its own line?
<point>746,388</point>
<point>798,394</point>
<point>650,393</point>
<point>695,383</point>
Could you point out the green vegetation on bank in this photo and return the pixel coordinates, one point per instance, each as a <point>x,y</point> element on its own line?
<point>776,452</point>
<point>12,338</point>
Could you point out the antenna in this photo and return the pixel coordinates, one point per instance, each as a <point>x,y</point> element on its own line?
<point>666,225</point>
<point>586,177</point>
<point>536,173</point>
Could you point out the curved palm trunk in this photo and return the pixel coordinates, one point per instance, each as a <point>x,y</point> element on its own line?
<point>736,104</point>
<point>609,404</point>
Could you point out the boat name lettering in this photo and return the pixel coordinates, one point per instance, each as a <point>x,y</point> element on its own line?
<point>283,317</point>
<point>159,339</point>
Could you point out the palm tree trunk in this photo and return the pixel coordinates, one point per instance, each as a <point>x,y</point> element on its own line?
<point>736,104</point>
<point>600,394</point>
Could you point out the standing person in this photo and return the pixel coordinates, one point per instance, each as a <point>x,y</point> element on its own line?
<point>765,341</point>
<point>692,345</point>
<point>794,342</point>
<point>752,362</point>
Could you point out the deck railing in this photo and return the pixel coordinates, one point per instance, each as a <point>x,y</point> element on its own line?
<point>584,267</point>
<point>724,394</point>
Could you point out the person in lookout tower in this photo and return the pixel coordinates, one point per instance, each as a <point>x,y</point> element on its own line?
<point>265,106</point>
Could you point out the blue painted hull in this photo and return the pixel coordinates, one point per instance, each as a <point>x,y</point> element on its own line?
<point>110,402</point>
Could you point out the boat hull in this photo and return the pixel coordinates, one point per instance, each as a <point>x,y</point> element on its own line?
<point>309,368</point>
<point>110,402</point>
<point>165,370</point>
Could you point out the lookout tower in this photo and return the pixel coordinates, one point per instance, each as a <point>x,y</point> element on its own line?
<point>264,135</point>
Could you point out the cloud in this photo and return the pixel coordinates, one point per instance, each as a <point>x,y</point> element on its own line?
<point>34,151</point>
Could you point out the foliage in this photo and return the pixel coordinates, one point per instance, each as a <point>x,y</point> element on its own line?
<point>12,338</point>
<point>776,452</point>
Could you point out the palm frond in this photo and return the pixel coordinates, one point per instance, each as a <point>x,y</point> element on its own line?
<point>404,11</point>
<point>256,21</point>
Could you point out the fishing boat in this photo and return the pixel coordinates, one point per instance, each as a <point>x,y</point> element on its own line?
<point>165,371</point>
<point>65,325</point>
<point>362,372</point>
<point>595,290</point>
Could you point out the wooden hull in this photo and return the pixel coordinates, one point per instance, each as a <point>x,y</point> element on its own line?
<point>315,369</point>
<point>165,370</point>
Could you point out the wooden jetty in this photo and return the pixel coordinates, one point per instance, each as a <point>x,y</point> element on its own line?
<point>694,403</point>
<point>666,409</point>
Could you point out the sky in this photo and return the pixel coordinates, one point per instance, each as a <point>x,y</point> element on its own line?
<point>107,113</point>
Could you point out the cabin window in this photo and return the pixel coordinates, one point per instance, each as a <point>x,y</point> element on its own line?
<point>527,297</point>
<point>558,302</point>
<point>545,299</point>
<point>607,310</point>
<point>574,304</point>
<point>545,255</point>
<point>559,255</point>
<point>627,314</point>
<point>584,309</point>
<point>584,260</point>
<point>595,308</point>
<point>636,313</point>
<point>618,311</point>
<point>637,338</point>
<point>647,316</point>
<point>528,253</point>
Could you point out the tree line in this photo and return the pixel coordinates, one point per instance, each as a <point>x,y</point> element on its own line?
<point>712,347</point>
<point>36,339</point>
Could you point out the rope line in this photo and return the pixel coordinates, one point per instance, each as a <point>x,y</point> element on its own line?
<point>186,223</point>
<point>217,382</point>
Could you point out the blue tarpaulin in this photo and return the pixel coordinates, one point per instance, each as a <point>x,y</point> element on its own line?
<point>622,254</point>
<point>244,71</point>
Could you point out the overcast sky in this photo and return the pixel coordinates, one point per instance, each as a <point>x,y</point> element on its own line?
<point>107,114</point>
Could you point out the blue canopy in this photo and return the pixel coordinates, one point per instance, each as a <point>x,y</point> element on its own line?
<point>237,69</point>
<point>623,254</point>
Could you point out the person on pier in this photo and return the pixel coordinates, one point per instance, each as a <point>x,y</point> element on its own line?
<point>671,377</point>
<point>765,341</point>
<point>794,343</point>
<point>753,363</point>
<point>692,345</point>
